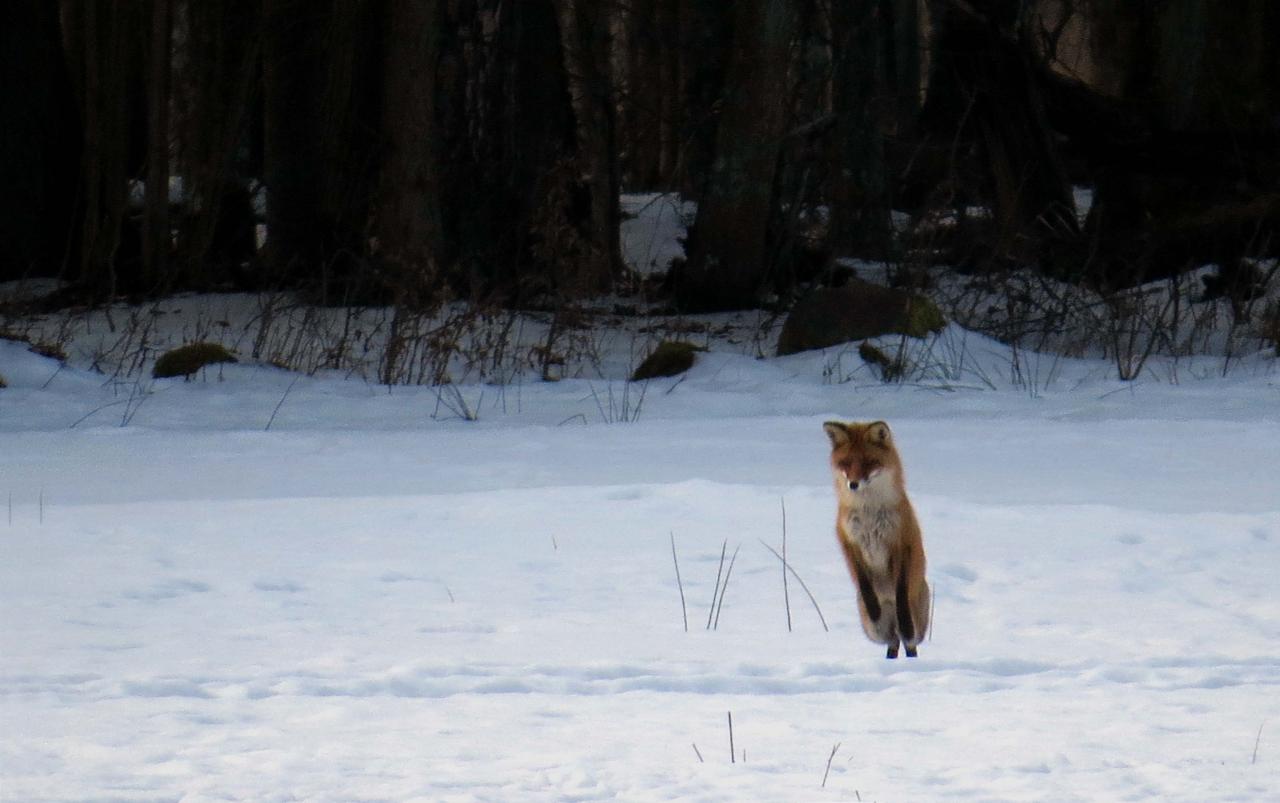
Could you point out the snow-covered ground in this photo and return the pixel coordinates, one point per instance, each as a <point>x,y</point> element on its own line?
<point>376,600</point>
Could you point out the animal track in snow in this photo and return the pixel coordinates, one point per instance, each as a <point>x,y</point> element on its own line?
<point>959,572</point>
<point>171,589</point>
<point>613,679</point>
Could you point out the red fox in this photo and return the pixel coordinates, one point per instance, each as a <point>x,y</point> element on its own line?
<point>878,532</point>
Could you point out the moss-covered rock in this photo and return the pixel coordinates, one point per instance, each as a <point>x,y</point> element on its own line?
<point>186,360</point>
<point>857,311</point>
<point>923,317</point>
<point>670,358</point>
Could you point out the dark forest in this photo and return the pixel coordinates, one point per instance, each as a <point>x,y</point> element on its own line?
<point>414,151</point>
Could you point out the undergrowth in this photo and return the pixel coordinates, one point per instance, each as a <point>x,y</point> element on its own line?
<point>1040,322</point>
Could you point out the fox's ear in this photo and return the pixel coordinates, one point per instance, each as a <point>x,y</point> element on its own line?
<point>878,433</point>
<point>837,432</point>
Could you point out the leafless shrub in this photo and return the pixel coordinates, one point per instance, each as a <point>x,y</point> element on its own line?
<point>1043,320</point>
<point>620,408</point>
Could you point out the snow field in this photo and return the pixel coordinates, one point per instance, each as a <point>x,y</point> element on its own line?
<point>493,614</point>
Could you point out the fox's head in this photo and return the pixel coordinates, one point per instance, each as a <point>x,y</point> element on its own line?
<point>864,462</point>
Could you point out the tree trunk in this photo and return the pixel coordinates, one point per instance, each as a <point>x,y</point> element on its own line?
<point>320,118</point>
<point>351,88</point>
<point>585,38</point>
<point>901,25</point>
<point>1199,77</point>
<point>291,72</point>
<point>39,144</point>
<point>408,219</point>
<point>108,74</point>
<point>862,105</point>
<point>218,92</point>
<point>670,108</point>
<point>635,59</point>
<point>506,150</point>
<point>730,247</point>
<point>706,30</point>
<point>650,94</point>
<point>983,90</point>
<point>156,231</point>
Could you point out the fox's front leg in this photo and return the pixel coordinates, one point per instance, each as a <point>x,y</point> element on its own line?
<point>876,605</point>
<point>866,592</point>
<point>906,628</point>
<point>912,603</point>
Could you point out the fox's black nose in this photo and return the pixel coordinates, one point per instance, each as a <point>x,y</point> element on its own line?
<point>853,485</point>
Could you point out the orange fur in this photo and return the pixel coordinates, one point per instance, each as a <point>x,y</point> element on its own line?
<point>879,535</point>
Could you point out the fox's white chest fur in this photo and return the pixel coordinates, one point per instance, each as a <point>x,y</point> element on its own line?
<point>874,528</point>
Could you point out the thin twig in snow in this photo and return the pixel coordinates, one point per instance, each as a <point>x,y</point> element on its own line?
<point>684,611</point>
<point>725,587</point>
<point>280,403</point>
<point>599,407</point>
<point>733,759</point>
<point>131,409</point>
<point>96,410</point>
<point>786,595</point>
<point>53,376</point>
<point>635,413</point>
<point>1256,741</point>
<point>829,759</point>
<point>698,753</point>
<point>715,592</point>
<point>799,580</point>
